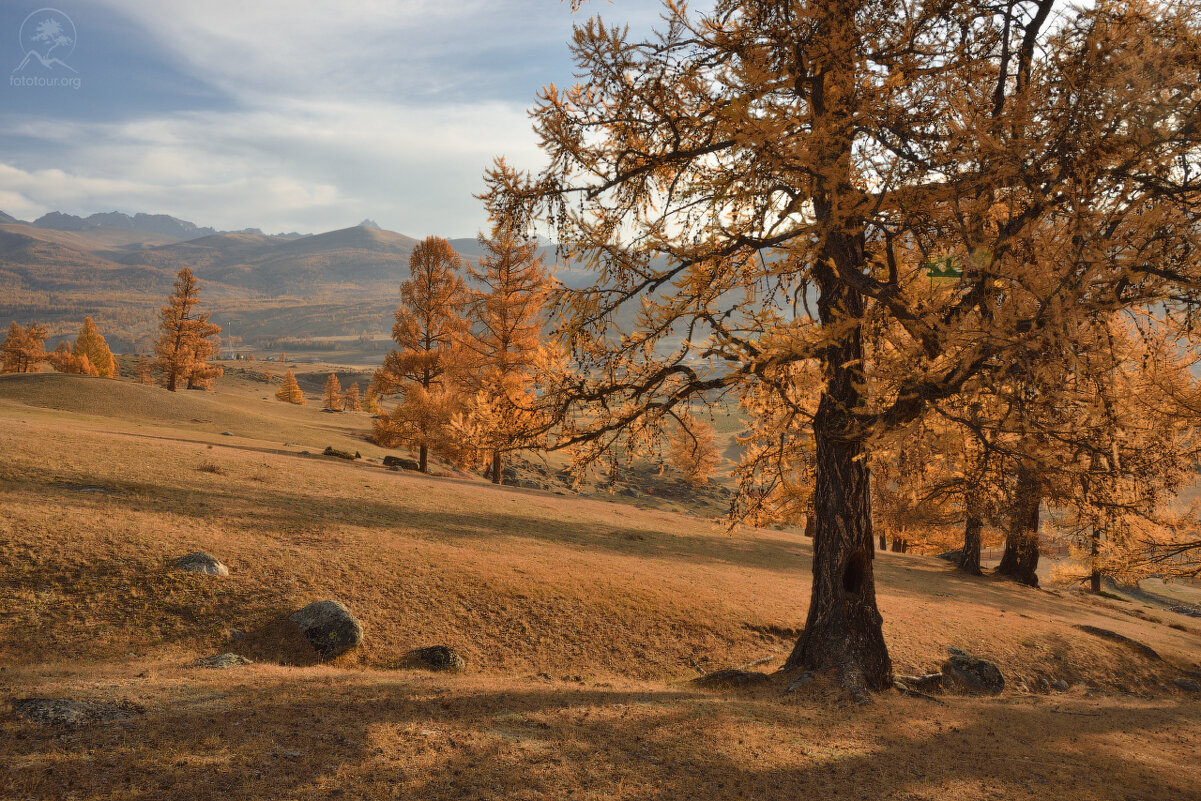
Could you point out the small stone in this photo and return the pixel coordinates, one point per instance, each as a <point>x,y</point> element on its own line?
<point>800,681</point>
<point>436,657</point>
<point>1061,686</point>
<point>974,675</point>
<point>201,562</point>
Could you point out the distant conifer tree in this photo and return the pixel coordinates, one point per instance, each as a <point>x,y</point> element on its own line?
<point>350,399</point>
<point>333,394</point>
<point>371,401</point>
<point>289,390</point>
<point>501,348</point>
<point>24,349</point>
<point>693,450</point>
<point>429,326</point>
<point>185,344</point>
<point>91,343</point>
<point>145,376</point>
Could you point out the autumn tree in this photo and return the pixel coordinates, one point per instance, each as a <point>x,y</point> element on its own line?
<point>371,400</point>
<point>64,361</point>
<point>24,349</point>
<point>91,343</point>
<point>768,183</point>
<point>693,450</point>
<point>500,348</point>
<point>186,340</point>
<point>350,399</point>
<point>143,371</point>
<point>289,390</point>
<point>428,329</point>
<point>332,394</point>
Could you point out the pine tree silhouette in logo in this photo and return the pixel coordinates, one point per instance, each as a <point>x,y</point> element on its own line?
<point>53,31</point>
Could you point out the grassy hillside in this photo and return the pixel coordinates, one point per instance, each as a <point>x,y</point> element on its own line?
<point>581,620</point>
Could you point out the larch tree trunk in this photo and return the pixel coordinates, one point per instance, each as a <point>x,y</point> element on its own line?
<point>1094,576</point>
<point>1020,560</point>
<point>496,467</point>
<point>969,557</point>
<point>423,459</point>
<point>844,629</point>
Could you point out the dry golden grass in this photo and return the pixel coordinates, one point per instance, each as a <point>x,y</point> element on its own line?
<point>581,620</point>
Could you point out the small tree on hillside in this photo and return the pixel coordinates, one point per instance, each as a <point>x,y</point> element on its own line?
<point>429,326</point>
<point>24,349</point>
<point>185,344</point>
<point>91,343</point>
<point>350,399</point>
<point>289,390</point>
<point>144,373</point>
<point>501,346</point>
<point>333,394</point>
<point>693,449</point>
<point>371,401</point>
<point>201,374</point>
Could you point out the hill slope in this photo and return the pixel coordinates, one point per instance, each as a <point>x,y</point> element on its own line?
<point>580,620</point>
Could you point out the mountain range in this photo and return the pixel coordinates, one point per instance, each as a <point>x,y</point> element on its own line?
<point>121,267</point>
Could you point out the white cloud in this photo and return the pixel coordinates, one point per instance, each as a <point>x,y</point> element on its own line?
<point>332,113</point>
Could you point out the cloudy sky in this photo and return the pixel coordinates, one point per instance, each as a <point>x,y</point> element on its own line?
<point>285,115</point>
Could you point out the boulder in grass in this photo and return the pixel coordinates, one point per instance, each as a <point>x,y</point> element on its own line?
<point>400,463</point>
<point>201,562</point>
<point>332,451</point>
<point>222,661</point>
<point>436,657</point>
<point>978,676</point>
<point>65,712</point>
<point>329,627</point>
<point>729,679</point>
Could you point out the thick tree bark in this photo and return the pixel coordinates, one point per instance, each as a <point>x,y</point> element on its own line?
<point>1020,560</point>
<point>1094,578</point>
<point>423,459</point>
<point>843,631</point>
<point>883,543</point>
<point>969,557</point>
<point>899,545</point>
<point>496,467</point>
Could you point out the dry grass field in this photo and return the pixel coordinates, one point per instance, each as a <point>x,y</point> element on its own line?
<point>581,619</point>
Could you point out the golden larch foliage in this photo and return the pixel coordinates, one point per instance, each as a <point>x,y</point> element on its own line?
<point>24,349</point>
<point>185,343</point>
<point>693,449</point>
<point>428,329</point>
<point>289,390</point>
<point>332,398</point>
<point>92,345</point>
<point>351,400</point>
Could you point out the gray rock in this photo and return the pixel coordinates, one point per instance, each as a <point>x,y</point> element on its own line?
<point>628,492</point>
<point>436,657</point>
<point>526,483</point>
<point>397,463</point>
<point>973,675</point>
<point>222,661</point>
<point>1059,685</point>
<point>1188,685</point>
<point>510,473</point>
<point>329,627</point>
<point>65,712</point>
<point>201,562</point>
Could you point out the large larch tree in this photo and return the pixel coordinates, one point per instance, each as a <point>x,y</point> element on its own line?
<point>768,182</point>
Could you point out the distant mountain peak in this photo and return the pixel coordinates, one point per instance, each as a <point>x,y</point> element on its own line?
<point>369,223</point>
<point>8,218</point>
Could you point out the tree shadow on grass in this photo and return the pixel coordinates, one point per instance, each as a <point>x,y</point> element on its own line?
<point>391,736</point>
